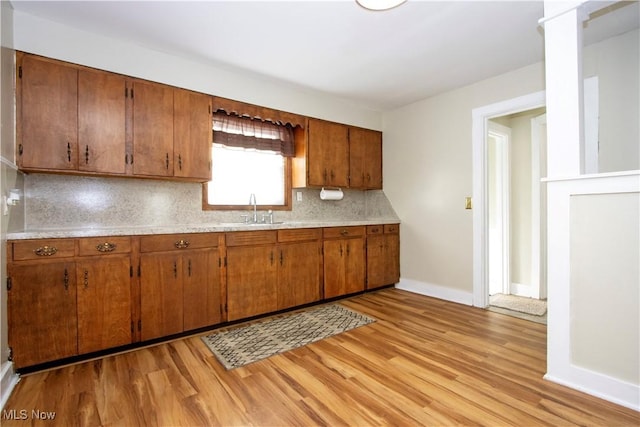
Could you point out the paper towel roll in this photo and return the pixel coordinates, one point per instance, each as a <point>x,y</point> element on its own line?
<point>331,194</point>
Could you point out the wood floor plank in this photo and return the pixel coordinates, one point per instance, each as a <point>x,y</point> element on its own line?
<point>423,362</point>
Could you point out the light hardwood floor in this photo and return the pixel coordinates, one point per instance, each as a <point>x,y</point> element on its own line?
<point>424,362</point>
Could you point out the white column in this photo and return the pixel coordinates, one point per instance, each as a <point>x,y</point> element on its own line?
<point>563,62</point>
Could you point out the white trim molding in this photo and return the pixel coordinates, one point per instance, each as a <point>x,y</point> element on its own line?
<point>480,118</point>
<point>8,381</point>
<point>436,291</point>
<point>560,368</point>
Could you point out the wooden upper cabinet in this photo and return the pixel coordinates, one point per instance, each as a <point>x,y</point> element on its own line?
<point>47,114</point>
<point>192,134</point>
<point>335,155</point>
<point>152,129</point>
<point>80,120</point>
<point>365,159</point>
<point>101,122</point>
<point>328,154</point>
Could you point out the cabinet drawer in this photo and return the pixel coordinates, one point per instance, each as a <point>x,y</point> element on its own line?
<point>391,228</point>
<point>104,245</point>
<point>375,229</point>
<point>241,238</point>
<point>43,249</point>
<point>299,234</point>
<point>171,242</point>
<point>338,232</point>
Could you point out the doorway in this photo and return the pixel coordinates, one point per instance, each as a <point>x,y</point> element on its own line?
<point>515,165</point>
<point>484,205</point>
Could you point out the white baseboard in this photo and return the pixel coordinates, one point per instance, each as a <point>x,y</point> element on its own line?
<point>521,290</point>
<point>436,291</point>
<point>603,386</point>
<point>8,380</point>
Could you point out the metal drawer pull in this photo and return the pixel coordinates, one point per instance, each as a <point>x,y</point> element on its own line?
<point>106,247</point>
<point>181,244</point>
<point>344,232</point>
<point>46,251</point>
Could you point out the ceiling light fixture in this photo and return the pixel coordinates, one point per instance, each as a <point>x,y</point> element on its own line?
<point>380,4</point>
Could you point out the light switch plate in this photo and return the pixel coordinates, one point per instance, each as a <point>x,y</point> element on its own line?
<point>299,196</point>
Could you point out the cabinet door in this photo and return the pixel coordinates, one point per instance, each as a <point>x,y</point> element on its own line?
<point>193,135</point>
<point>152,129</point>
<point>161,307</point>
<point>251,281</point>
<point>298,274</point>
<point>328,156</point>
<point>201,284</point>
<point>42,313</point>
<point>355,268</point>
<point>392,270</point>
<point>365,158</point>
<point>334,268</point>
<point>47,115</point>
<point>376,261</point>
<point>101,122</point>
<point>104,303</point>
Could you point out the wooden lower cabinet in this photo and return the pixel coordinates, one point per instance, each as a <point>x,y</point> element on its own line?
<point>344,261</point>
<point>69,297</point>
<point>104,303</point>
<point>298,274</point>
<point>383,255</point>
<point>201,294</point>
<point>179,291</point>
<point>161,308</point>
<point>180,286</point>
<point>251,281</point>
<point>269,271</point>
<point>42,312</point>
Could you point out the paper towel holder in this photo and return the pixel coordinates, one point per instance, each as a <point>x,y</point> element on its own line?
<point>331,194</point>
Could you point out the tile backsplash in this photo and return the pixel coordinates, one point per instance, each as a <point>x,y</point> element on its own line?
<point>67,202</point>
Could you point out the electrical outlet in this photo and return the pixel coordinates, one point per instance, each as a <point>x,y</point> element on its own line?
<point>299,196</point>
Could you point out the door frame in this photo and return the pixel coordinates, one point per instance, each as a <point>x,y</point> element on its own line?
<point>502,136</point>
<point>538,205</point>
<point>479,128</point>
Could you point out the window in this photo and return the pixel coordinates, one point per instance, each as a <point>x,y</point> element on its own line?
<point>249,156</point>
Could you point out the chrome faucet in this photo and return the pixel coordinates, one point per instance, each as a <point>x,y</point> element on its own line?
<point>252,202</point>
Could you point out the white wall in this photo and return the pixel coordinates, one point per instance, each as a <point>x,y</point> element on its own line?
<point>427,159</point>
<point>616,62</point>
<point>605,278</point>
<point>427,174</point>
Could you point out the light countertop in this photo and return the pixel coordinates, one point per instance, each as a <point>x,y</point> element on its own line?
<point>187,228</point>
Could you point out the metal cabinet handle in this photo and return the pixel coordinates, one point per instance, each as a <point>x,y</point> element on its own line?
<point>344,232</point>
<point>181,244</point>
<point>106,247</point>
<point>46,251</point>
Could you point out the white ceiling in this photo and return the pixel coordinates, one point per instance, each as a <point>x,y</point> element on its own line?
<point>380,60</point>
